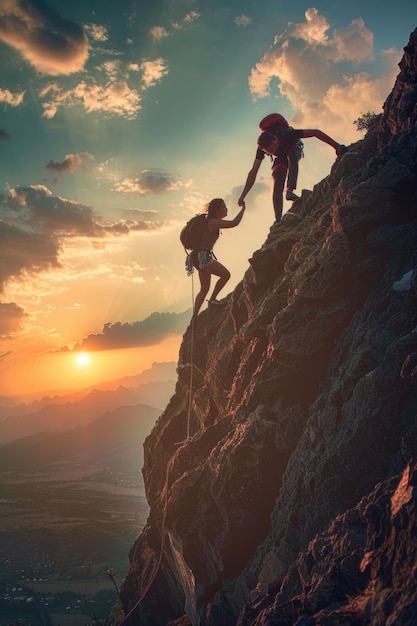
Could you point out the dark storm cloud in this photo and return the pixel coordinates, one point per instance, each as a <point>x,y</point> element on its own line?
<point>53,44</point>
<point>147,332</point>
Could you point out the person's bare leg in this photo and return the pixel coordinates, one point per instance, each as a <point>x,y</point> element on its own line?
<point>223,273</point>
<point>205,279</point>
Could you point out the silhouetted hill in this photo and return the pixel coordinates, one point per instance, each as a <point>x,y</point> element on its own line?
<point>118,436</point>
<point>293,501</point>
<point>157,372</point>
<point>65,416</point>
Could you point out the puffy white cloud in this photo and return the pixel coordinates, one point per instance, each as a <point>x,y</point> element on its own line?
<point>97,32</point>
<point>158,32</point>
<point>359,90</point>
<point>13,99</point>
<point>115,98</point>
<point>53,44</point>
<point>110,94</point>
<point>313,30</point>
<point>152,71</point>
<point>243,20</point>
<point>354,43</point>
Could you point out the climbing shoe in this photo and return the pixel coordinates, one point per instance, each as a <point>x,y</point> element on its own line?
<point>216,303</point>
<point>341,150</point>
<point>290,195</point>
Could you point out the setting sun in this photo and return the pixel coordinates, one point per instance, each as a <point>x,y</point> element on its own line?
<point>83,359</point>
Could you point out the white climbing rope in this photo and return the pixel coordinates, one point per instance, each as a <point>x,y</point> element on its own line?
<point>158,563</point>
<point>165,490</point>
<point>190,391</point>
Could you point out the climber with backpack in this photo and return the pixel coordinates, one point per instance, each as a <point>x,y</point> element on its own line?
<point>198,238</point>
<point>283,142</point>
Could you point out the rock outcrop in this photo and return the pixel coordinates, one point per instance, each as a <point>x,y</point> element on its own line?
<point>283,491</point>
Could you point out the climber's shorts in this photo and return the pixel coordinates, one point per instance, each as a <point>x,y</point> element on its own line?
<point>294,153</point>
<point>202,259</point>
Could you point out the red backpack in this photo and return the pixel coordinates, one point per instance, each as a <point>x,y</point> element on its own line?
<point>273,122</point>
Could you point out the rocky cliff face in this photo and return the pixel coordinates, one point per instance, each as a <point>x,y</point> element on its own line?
<point>285,493</point>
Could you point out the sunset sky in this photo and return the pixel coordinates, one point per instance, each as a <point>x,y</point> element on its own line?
<point>119,121</point>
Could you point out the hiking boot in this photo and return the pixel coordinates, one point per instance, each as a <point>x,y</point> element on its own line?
<point>290,195</point>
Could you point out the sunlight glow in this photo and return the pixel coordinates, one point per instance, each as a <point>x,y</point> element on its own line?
<point>60,372</point>
<point>83,359</point>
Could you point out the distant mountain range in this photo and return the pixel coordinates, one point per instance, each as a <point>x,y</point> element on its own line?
<point>118,435</point>
<point>152,387</point>
<point>21,405</point>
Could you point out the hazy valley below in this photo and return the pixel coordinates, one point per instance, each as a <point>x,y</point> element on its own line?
<point>72,498</point>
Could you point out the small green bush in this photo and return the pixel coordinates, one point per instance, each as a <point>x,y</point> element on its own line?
<point>366,121</point>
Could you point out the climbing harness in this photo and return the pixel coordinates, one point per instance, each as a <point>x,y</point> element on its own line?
<point>189,265</point>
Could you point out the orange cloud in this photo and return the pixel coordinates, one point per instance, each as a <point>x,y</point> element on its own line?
<point>150,181</point>
<point>72,163</point>
<point>53,44</point>
<point>115,98</point>
<point>158,32</point>
<point>11,317</point>
<point>12,99</point>
<point>152,71</point>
